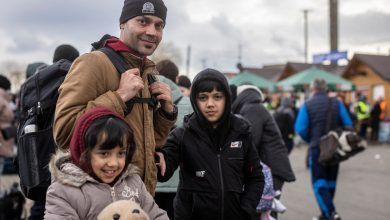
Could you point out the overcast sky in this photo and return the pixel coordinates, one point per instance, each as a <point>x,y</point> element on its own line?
<point>270,31</point>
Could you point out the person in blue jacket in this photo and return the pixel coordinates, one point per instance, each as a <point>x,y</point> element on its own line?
<point>220,173</point>
<point>311,125</point>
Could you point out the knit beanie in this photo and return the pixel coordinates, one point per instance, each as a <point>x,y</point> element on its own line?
<point>65,51</point>
<point>77,143</point>
<point>134,8</point>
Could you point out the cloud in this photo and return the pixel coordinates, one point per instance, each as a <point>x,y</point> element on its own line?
<point>269,32</point>
<point>365,28</point>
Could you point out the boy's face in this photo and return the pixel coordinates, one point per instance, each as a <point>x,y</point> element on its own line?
<point>108,164</point>
<point>211,105</point>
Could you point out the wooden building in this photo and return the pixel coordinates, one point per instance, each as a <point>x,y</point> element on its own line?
<point>371,76</point>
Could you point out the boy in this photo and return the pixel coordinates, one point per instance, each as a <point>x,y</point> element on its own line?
<point>220,172</point>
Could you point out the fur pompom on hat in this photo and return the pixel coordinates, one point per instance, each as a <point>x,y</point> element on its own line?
<point>134,8</point>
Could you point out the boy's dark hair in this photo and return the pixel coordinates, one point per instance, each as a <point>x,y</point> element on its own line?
<point>5,83</point>
<point>207,86</point>
<point>168,69</point>
<point>184,81</point>
<point>115,130</point>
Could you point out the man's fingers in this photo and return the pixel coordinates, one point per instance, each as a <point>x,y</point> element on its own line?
<point>134,71</point>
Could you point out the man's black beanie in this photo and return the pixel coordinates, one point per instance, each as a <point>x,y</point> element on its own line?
<point>134,8</point>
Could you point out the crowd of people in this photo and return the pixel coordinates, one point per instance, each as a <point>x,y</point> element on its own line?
<point>180,149</point>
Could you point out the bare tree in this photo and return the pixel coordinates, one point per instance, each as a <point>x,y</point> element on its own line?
<point>167,51</point>
<point>15,72</point>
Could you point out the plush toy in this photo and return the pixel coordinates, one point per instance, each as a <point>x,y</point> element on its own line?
<point>123,210</point>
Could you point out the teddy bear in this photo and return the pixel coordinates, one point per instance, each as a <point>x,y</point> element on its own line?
<point>123,210</point>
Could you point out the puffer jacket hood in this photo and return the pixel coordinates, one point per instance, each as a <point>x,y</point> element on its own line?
<point>67,173</point>
<point>243,88</point>
<point>247,94</point>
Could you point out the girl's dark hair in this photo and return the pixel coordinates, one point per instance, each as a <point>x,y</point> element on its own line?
<point>116,130</point>
<point>208,86</point>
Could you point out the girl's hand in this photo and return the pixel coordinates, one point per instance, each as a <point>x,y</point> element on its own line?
<point>161,162</point>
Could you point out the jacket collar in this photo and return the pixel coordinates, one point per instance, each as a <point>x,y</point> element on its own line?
<point>67,173</point>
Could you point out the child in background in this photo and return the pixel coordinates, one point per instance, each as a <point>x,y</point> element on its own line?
<point>220,171</point>
<point>97,171</point>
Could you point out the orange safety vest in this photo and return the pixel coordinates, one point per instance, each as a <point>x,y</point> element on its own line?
<point>383,105</point>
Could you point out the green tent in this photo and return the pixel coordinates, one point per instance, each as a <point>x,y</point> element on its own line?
<point>249,78</point>
<point>303,79</point>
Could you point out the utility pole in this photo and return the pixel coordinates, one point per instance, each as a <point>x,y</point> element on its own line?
<point>239,52</point>
<point>188,60</point>
<point>306,32</point>
<point>333,16</point>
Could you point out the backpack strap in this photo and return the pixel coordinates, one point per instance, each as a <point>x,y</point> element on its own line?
<point>122,66</point>
<point>177,100</point>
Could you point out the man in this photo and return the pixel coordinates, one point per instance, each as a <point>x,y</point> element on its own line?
<point>94,81</point>
<point>69,53</point>
<point>363,115</point>
<point>311,125</point>
<point>247,102</point>
<point>285,118</point>
<point>184,84</point>
<point>170,71</point>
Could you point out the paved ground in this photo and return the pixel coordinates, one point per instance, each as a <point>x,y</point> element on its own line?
<point>362,192</point>
<point>362,188</point>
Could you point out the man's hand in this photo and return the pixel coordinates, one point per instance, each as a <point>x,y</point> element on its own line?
<point>163,94</point>
<point>161,163</point>
<point>130,83</point>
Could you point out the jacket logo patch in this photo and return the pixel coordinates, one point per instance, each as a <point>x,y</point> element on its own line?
<point>200,173</point>
<point>148,8</point>
<point>129,193</point>
<point>236,144</point>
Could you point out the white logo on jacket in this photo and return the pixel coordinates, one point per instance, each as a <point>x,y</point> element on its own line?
<point>129,193</point>
<point>236,144</point>
<point>200,173</point>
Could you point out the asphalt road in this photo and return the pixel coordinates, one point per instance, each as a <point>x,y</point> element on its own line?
<point>362,187</point>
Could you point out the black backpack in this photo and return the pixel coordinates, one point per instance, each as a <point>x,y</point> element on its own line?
<point>38,98</point>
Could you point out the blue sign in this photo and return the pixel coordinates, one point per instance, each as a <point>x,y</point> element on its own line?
<point>332,56</point>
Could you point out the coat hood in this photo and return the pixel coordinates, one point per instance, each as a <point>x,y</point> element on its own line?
<point>210,75</point>
<point>67,173</point>
<point>246,94</point>
<point>243,88</point>
<point>216,134</point>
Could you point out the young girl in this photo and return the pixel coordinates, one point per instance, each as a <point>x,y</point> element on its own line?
<point>220,171</point>
<point>97,171</point>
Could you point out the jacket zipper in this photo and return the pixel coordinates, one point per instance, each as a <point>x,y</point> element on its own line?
<point>222,185</point>
<point>112,189</point>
